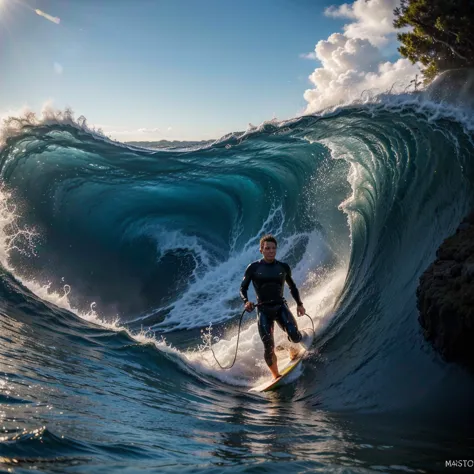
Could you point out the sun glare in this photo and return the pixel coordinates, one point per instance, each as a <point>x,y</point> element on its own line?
<point>3,5</point>
<point>2,10</point>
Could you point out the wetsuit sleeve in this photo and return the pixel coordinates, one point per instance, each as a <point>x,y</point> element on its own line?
<point>293,290</point>
<point>244,286</point>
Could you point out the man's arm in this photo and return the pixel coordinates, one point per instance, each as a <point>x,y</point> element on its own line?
<point>244,286</point>
<point>292,285</point>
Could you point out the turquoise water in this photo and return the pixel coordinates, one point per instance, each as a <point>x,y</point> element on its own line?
<point>119,264</point>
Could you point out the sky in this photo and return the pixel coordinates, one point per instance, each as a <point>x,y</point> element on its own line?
<point>149,70</point>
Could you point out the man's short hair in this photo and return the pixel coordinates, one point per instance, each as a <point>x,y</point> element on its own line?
<point>267,238</point>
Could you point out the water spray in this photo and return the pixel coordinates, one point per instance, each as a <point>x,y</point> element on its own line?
<point>238,337</point>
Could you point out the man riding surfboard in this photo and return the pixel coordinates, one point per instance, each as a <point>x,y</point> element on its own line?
<point>268,276</point>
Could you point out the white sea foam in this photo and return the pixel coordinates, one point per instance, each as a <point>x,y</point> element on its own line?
<point>249,367</point>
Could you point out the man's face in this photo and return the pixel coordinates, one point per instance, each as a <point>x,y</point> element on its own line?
<point>268,251</point>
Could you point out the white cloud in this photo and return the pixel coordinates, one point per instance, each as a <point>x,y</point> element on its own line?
<point>372,19</point>
<point>311,55</point>
<point>138,131</point>
<point>148,130</point>
<point>353,62</point>
<point>342,11</point>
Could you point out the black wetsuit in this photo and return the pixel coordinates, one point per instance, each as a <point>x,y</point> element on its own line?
<point>269,280</point>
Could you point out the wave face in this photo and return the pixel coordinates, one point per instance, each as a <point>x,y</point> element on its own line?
<point>359,199</point>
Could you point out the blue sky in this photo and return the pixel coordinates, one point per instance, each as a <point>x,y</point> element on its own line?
<point>174,69</point>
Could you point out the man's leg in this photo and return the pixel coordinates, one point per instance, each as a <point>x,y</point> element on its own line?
<point>265,329</point>
<point>288,324</point>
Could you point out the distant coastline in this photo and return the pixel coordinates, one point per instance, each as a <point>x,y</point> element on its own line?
<point>169,144</point>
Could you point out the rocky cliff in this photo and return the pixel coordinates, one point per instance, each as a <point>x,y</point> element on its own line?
<point>446,297</point>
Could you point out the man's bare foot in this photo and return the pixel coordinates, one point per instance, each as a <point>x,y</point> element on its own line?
<point>274,368</point>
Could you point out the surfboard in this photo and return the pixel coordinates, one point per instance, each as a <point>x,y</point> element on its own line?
<point>285,366</point>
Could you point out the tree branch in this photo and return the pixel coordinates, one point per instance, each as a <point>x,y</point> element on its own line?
<point>459,55</point>
<point>427,28</point>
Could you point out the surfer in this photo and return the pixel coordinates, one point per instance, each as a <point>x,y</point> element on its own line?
<point>268,276</point>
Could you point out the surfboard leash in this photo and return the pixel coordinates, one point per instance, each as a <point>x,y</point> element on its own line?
<point>238,337</point>
<point>312,323</point>
<point>236,346</point>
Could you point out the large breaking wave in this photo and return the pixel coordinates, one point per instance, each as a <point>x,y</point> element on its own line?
<point>359,199</point>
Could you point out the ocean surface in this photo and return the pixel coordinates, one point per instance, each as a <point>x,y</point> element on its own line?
<point>120,265</point>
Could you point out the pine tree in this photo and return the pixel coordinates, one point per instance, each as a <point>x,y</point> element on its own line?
<point>441,36</point>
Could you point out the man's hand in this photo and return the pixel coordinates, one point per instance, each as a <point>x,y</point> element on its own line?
<point>300,310</point>
<point>249,306</point>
